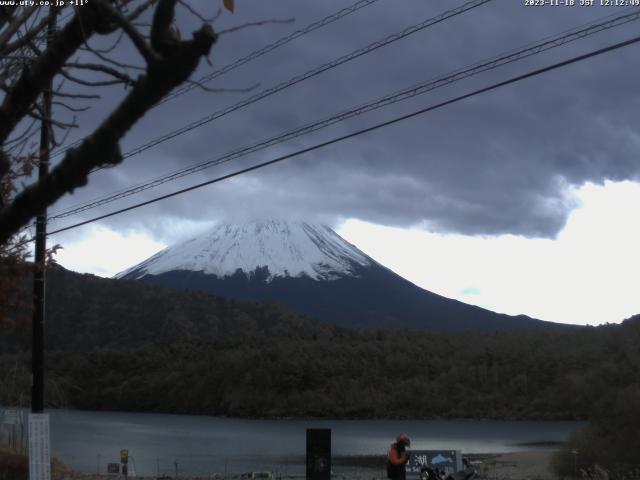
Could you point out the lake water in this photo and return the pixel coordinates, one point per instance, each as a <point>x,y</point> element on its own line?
<point>200,445</point>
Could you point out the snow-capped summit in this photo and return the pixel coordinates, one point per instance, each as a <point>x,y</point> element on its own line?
<point>286,249</point>
<point>311,269</point>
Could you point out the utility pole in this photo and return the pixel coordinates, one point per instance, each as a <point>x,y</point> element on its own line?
<point>39,277</point>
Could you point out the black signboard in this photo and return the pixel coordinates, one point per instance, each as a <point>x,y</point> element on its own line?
<point>318,454</point>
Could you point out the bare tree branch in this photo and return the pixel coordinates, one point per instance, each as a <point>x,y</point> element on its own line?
<point>28,37</point>
<point>33,80</point>
<point>138,40</point>
<point>161,39</point>
<point>195,13</point>
<point>6,13</point>
<point>177,62</point>
<point>34,48</point>
<point>23,135</point>
<point>56,143</point>
<point>96,67</point>
<point>89,83</point>
<point>140,10</point>
<point>14,26</point>
<point>75,95</point>
<point>109,49</point>
<point>52,121</point>
<point>217,15</point>
<point>69,107</point>
<point>101,56</point>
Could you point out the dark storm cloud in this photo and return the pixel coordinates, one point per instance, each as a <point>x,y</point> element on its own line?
<point>498,163</point>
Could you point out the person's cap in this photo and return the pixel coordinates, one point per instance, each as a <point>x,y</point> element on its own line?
<point>402,438</point>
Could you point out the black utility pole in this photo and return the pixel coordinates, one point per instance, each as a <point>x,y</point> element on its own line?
<point>39,278</point>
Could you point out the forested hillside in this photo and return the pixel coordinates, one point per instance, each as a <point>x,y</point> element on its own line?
<point>85,312</point>
<point>539,374</point>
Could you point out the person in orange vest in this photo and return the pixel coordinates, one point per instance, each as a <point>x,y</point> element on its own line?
<point>398,458</point>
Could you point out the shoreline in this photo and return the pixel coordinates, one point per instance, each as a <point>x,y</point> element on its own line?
<point>522,465</point>
<point>527,464</point>
<point>533,464</point>
<point>314,418</point>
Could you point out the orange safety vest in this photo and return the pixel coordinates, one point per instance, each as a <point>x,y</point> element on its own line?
<point>396,462</point>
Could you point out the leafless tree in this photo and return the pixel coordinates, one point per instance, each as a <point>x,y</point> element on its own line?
<point>67,63</point>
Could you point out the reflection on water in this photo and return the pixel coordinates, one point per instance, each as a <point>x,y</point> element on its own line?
<point>198,445</point>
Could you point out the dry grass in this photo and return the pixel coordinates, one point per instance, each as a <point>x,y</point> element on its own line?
<point>14,465</point>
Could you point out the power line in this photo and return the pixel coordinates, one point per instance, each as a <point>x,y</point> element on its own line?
<point>253,55</point>
<point>272,46</point>
<point>307,75</point>
<point>299,78</point>
<point>494,62</point>
<point>355,54</point>
<point>495,86</point>
<point>432,84</point>
<point>311,73</point>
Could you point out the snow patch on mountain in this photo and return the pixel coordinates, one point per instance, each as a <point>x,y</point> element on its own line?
<point>292,249</point>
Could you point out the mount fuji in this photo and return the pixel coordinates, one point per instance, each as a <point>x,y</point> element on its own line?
<point>314,271</point>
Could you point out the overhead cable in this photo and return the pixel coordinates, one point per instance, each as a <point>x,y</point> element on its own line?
<point>307,75</point>
<point>253,55</point>
<point>317,146</point>
<point>415,90</point>
<point>268,48</point>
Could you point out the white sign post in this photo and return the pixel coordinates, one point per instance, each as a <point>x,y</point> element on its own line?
<point>39,447</point>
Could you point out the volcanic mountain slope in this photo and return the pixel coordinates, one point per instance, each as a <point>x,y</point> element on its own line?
<point>314,271</point>
<point>84,312</point>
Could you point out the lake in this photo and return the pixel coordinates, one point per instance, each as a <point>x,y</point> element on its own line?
<point>199,445</point>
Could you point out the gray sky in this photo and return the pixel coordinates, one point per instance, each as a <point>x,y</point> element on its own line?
<point>497,163</point>
<point>507,162</point>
